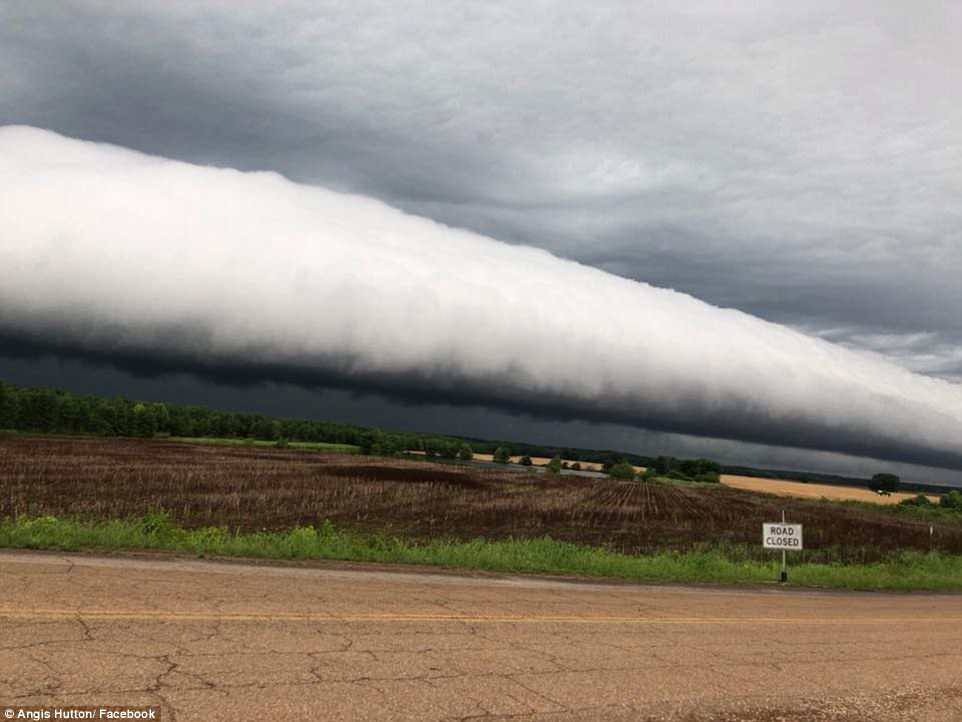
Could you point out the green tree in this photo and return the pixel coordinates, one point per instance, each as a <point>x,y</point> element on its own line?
<point>391,445</point>
<point>554,466</point>
<point>917,500</point>
<point>622,470</point>
<point>663,464</point>
<point>885,482</point>
<point>525,461</point>
<point>39,409</point>
<point>448,449</point>
<point>181,423</point>
<point>698,467</point>
<point>370,441</point>
<point>952,500</point>
<point>465,453</point>
<point>502,455</point>
<point>440,446</point>
<point>262,428</point>
<point>276,429</point>
<point>161,417</point>
<point>142,422</point>
<point>9,407</point>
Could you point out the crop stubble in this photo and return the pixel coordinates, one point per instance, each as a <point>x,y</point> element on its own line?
<point>253,488</point>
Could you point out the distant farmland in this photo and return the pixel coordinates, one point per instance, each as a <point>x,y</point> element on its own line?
<point>778,487</point>
<point>543,460</point>
<point>806,490</point>
<point>254,488</point>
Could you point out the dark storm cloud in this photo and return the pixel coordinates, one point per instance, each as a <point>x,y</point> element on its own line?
<point>800,163</point>
<point>729,423</point>
<point>278,399</point>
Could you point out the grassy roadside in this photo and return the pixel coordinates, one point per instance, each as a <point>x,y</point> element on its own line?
<point>906,571</point>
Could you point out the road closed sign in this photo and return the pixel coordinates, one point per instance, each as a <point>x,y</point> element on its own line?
<point>787,537</point>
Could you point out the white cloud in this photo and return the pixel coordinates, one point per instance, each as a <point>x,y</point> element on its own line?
<point>104,248</point>
<point>799,161</point>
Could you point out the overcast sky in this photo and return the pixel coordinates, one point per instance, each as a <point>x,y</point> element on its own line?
<point>799,162</point>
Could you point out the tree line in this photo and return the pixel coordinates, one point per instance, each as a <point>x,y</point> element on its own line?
<point>42,409</point>
<point>48,410</point>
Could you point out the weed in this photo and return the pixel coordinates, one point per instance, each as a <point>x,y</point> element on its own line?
<point>905,570</point>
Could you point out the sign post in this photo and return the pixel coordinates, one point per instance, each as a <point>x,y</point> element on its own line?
<point>787,537</point>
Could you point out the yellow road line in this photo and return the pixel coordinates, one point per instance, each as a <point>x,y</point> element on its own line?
<point>162,616</point>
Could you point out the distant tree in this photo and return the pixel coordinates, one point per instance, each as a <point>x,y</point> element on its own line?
<point>391,445</point>
<point>223,425</point>
<point>576,466</point>
<point>281,443</point>
<point>371,442</point>
<point>502,455</point>
<point>39,409</point>
<point>622,470</point>
<point>525,461</point>
<point>261,427</point>
<point>554,466</point>
<point>161,417</point>
<point>917,500</point>
<point>699,469</point>
<point>365,440</point>
<point>142,421</point>
<point>449,449</point>
<point>952,500</point>
<point>440,446</point>
<point>663,464</point>
<point>276,430</point>
<point>9,405</point>
<point>465,453</point>
<point>885,482</point>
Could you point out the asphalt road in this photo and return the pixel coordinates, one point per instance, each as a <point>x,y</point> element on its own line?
<point>218,641</point>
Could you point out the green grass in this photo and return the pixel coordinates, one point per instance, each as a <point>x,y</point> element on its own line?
<point>674,481</point>
<point>934,513</point>
<point>297,445</point>
<point>321,446</point>
<point>908,570</point>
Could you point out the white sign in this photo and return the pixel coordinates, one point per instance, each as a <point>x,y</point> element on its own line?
<point>782,536</point>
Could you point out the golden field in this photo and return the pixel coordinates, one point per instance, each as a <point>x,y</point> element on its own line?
<point>802,490</point>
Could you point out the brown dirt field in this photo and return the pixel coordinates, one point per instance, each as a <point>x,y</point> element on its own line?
<point>803,490</point>
<point>778,487</point>
<point>252,488</point>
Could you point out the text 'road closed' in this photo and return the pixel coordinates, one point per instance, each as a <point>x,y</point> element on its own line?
<point>782,536</point>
